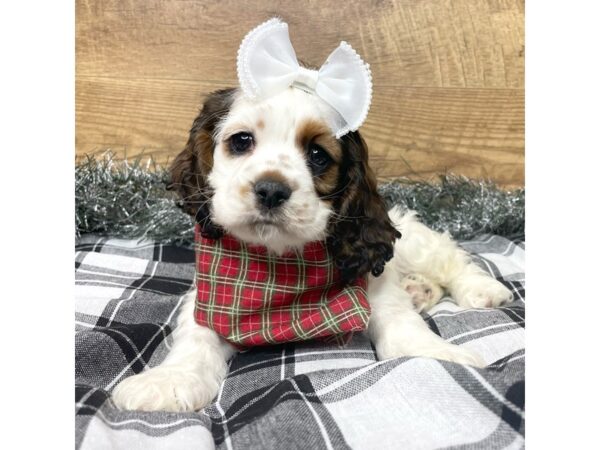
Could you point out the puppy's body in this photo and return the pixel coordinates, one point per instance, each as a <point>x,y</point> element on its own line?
<point>271,173</point>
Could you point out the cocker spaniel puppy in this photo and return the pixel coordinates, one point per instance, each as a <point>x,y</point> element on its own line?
<point>270,173</point>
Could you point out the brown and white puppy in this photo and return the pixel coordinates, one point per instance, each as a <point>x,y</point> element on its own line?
<point>283,149</point>
<point>271,172</point>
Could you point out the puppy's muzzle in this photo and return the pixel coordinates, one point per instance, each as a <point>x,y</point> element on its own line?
<point>271,194</point>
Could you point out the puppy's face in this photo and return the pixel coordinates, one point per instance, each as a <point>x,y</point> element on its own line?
<point>271,172</point>
<point>275,168</point>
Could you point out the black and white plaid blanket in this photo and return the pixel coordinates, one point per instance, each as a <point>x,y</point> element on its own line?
<point>304,396</point>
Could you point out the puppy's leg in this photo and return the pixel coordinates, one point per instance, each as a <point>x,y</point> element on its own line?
<point>438,258</point>
<point>474,288</point>
<point>189,377</point>
<point>396,329</point>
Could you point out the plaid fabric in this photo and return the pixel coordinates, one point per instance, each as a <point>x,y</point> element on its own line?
<point>297,395</point>
<point>251,297</point>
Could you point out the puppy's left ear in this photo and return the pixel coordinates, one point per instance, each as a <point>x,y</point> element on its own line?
<point>362,236</point>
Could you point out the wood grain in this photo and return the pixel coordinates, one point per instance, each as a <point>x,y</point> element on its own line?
<point>448,75</point>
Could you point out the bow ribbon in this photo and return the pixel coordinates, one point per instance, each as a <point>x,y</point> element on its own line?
<point>267,65</point>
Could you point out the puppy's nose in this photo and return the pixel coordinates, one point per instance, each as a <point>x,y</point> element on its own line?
<point>271,193</point>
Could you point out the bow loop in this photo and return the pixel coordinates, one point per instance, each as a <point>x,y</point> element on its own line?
<point>267,65</point>
<point>266,61</point>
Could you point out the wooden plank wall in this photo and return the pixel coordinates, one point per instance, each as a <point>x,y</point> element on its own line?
<point>448,75</point>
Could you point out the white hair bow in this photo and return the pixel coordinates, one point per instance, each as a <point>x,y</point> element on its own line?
<point>267,65</point>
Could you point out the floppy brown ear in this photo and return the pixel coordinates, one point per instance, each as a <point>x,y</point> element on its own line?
<point>191,167</point>
<point>362,237</point>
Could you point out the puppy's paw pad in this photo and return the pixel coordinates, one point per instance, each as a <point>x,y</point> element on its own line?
<point>165,389</point>
<point>423,292</point>
<point>484,292</point>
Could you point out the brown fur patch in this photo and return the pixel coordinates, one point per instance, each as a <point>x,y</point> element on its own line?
<point>260,124</point>
<point>317,132</point>
<point>204,146</point>
<point>326,183</point>
<point>276,175</point>
<point>244,190</point>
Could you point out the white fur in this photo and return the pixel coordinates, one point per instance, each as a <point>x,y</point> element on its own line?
<point>395,327</point>
<point>234,204</point>
<point>190,375</point>
<point>424,264</point>
<point>438,260</point>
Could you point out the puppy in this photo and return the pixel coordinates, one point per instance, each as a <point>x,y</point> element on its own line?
<point>270,172</point>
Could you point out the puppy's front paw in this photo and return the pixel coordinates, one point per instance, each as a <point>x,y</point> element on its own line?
<point>480,291</point>
<point>166,389</point>
<point>444,351</point>
<point>423,292</point>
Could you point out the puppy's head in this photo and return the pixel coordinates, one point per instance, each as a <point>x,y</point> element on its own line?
<point>271,172</point>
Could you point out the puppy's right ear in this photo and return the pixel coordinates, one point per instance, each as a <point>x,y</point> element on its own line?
<point>191,167</point>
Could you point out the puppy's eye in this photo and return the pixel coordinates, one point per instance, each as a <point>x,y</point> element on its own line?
<point>241,142</point>
<point>318,158</point>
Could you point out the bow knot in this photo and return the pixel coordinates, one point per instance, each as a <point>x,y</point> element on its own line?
<point>267,65</point>
<point>306,78</point>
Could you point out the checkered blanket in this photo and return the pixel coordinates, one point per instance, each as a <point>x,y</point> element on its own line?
<point>306,395</point>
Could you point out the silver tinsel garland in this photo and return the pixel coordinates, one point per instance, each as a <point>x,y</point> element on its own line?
<point>128,199</point>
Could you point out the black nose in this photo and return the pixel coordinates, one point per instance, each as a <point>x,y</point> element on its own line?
<point>271,193</point>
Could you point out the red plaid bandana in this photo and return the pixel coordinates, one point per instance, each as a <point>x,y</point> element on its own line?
<point>251,297</point>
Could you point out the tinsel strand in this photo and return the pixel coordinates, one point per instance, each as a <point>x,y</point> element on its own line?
<point>128,199</point>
